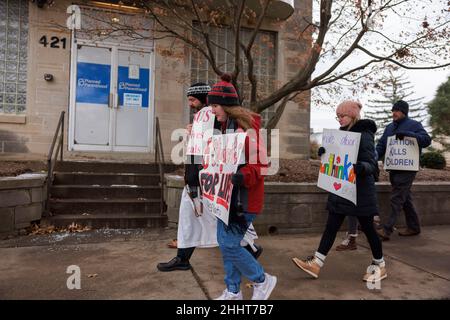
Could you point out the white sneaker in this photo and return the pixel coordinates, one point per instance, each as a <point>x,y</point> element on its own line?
<point>227,295</point>
<point>262,291</point>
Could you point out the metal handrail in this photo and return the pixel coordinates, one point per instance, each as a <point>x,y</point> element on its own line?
<point>159,159</point>
<point>59,150</point>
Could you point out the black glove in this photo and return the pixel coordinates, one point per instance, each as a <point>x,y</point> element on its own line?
<point>399,136</point>
<point>237,179</point>
<point>320,151</point>
<point>358,168</point>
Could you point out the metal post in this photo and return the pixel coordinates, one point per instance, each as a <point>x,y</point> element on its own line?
<point>62,135</point>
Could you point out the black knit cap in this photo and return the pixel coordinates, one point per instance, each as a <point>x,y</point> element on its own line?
<point>401,106</point>
<point>223,93</point>
<point>199,90</point>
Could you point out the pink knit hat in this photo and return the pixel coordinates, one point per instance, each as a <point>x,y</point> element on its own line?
<point>350,108</point>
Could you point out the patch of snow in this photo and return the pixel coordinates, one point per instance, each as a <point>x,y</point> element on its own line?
<point>125,185</point>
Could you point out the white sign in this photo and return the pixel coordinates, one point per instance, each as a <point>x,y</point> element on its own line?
<point>221,160</point>
<point>202,130</point>
<point>402,154</point>
<point>132,99</point>
<point>133,71</point>
<point>336,173</point>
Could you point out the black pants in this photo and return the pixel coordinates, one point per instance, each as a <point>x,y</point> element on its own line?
<point>334,223</point>
<point>401,198</point>
<point>185,253</point>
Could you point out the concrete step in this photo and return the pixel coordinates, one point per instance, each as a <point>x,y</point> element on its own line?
<point>111,167</point>
<point>124,206</point>
<point>106,179</point>
<point>119,221</point>
<point>102,192</point>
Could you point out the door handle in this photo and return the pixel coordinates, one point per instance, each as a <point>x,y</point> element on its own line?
<point>111,100</point>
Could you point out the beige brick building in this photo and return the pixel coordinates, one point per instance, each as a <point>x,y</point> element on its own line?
<point>113,90</point>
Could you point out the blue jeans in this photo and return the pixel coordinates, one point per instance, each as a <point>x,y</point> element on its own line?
<point>237,260</point>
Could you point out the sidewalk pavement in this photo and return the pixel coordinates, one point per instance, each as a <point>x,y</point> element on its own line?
<point>121,264</point>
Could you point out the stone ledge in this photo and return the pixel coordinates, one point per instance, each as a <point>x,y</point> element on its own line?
<point>13,118</point>
<point>175,181</point>
<point>301,207</point>
<point>27,180</point>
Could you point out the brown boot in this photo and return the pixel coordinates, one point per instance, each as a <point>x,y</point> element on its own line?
<point>408,232</point>
<point>349,243</point>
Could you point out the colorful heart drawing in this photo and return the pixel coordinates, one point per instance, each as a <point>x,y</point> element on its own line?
<point>337,186</point>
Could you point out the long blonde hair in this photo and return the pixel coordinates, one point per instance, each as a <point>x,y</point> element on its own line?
<point>244,117</point>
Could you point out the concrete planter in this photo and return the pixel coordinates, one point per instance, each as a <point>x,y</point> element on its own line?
<point>22,201</point>
<point>300,207</point>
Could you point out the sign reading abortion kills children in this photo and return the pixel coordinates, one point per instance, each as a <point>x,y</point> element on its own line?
<point>402,154</point>
<point>202,130</point>
<point>221,159</point>
<point>336,173</point>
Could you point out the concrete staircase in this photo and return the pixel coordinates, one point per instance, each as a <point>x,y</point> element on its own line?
<point>107,195</point>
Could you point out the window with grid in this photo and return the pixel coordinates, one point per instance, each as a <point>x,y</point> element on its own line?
<point>264,55</point>
<point>13,55</point>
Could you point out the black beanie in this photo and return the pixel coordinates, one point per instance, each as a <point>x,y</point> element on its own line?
<point>401,106</point>
<point>199,90</point>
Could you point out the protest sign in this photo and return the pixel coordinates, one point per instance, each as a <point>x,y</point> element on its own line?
<point>402,154</point>
<point>223,154</point>
<point>336,173</point>
<point>202,130</point>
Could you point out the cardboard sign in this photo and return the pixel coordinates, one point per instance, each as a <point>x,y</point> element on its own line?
<point>402,154</point>
<point>202,130</point>
<point>222,157</point>
<point>336,173</point>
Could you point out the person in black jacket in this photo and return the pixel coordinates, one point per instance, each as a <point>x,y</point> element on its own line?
<point>348,115</point>
<point>401,181</point>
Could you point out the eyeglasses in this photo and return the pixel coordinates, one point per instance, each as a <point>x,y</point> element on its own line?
<point>340,116</point>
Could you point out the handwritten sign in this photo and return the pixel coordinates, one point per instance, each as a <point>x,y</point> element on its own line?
<point>202,130</point>
<point>222,156</point>
<point>336,173</point>
<point>402,154</point>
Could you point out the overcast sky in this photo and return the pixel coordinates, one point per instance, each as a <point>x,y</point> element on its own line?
<point>425,82</point>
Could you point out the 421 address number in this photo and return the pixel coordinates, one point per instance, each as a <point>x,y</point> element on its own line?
<point>53,42</point>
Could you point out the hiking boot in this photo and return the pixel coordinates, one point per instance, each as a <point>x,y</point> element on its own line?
<point>375,273</point>
<point>227,295</point>
<point>262,291</point>
<point>310,266</point>
<point>257,253</point>
<point>384,236</point>
<point>408,232</point>
<point>349,243</point>
<point>174,264</point>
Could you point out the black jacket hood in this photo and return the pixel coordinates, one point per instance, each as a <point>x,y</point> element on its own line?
<point>364,125</point>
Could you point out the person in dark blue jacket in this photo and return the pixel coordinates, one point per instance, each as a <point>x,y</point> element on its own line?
<point>401,181</point>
